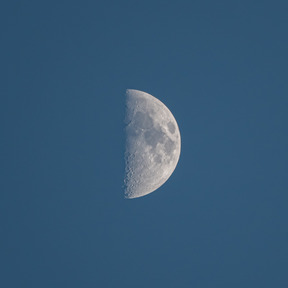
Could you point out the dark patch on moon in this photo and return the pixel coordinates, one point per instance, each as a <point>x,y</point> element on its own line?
<point>143,120</point>
<point>169,146</point>
<point>154,136</point>
<point>158,158</point>
<point>171,127</point>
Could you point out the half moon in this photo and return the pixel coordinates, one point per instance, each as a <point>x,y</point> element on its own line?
<point>152,144</point>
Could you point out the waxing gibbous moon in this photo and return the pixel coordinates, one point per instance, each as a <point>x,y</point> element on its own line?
<point>152,144</point>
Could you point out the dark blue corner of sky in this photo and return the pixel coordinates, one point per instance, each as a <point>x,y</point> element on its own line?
<point>220,220</point>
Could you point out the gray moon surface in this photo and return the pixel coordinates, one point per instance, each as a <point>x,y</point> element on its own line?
<point>153,144</point>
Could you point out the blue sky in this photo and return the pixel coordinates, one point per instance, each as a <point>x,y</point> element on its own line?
<point>220,220</point>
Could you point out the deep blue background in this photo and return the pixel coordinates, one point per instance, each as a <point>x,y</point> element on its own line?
<point>221,219</point>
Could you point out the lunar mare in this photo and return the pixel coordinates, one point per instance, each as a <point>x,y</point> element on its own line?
<point>152,144</point>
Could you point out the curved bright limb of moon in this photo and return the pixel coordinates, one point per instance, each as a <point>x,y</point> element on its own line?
<point>153,144</point>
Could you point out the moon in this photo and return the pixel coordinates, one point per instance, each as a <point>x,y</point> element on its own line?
<point>153,144</point>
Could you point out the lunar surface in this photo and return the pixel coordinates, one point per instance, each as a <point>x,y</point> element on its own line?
<point>152,144</point>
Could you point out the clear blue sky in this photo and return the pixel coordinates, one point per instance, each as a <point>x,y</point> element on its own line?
<point>220,220</point>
